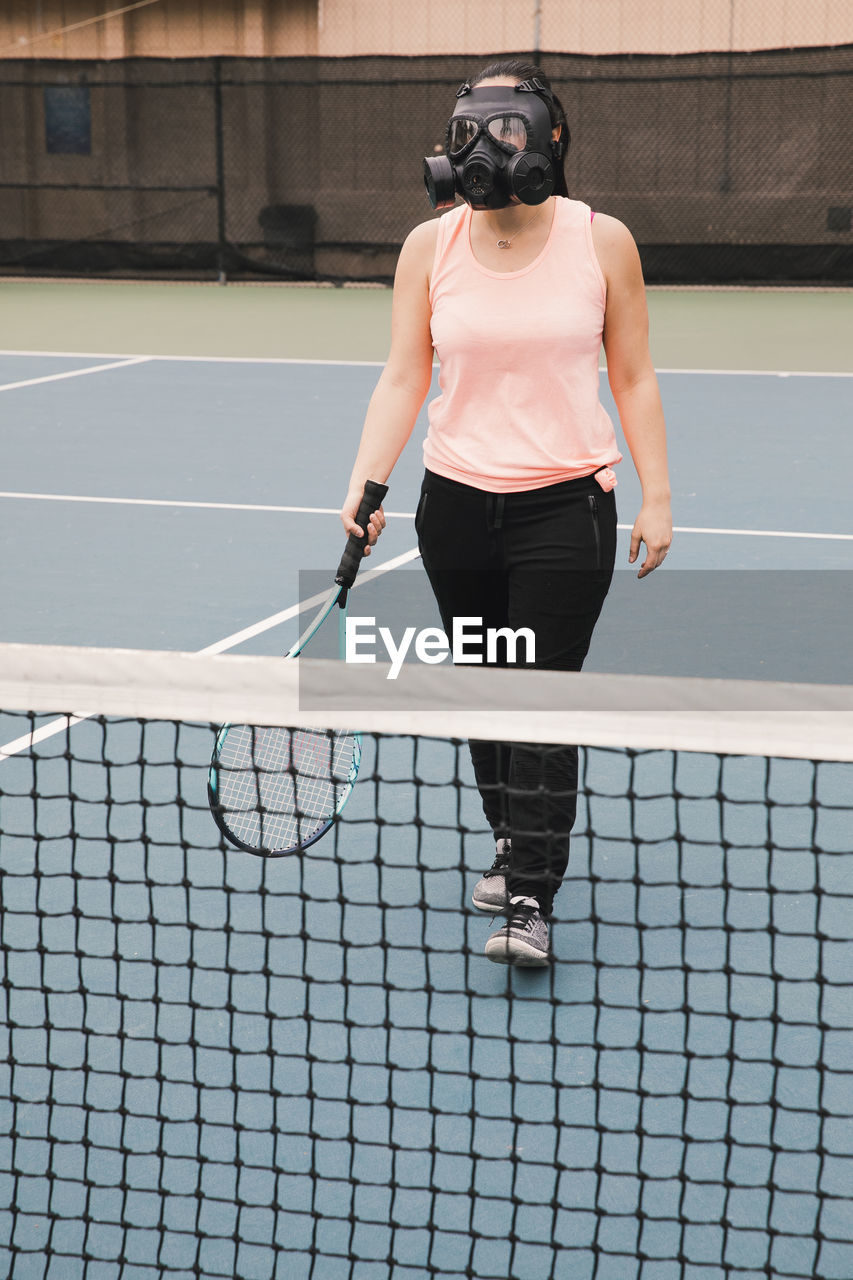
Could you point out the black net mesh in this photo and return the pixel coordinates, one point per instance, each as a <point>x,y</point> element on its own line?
<point>218,1065</point>
<point>726,166</point>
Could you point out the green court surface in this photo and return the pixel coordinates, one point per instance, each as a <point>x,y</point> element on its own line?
<point>788,329</point>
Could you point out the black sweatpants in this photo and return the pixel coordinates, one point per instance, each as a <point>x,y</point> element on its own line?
<point>541,559</point>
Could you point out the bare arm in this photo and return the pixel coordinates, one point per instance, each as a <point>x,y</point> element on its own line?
<point>634,386</point>
<point>405,380</point>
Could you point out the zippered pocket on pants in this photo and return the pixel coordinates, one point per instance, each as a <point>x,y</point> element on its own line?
<point>596,529</point>
<point>419,513</point>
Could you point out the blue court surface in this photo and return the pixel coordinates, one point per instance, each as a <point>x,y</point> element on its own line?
<point>167,503</point>
<point>304,1068</point>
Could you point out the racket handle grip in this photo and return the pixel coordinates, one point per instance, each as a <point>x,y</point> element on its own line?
<point>354,550</point>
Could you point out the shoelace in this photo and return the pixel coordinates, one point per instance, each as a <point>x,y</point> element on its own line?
<point>522,917</point>
<point>500,866</point>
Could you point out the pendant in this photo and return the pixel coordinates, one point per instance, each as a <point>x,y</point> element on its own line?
<point>504,244</point>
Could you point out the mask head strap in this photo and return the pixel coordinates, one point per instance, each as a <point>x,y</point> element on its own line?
<point>535,85</point>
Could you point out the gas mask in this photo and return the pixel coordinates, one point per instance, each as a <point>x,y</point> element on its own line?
<point>499,149</point>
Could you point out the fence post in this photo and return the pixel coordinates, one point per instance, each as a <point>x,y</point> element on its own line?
<point>220,169</point>
<point>537,31</point>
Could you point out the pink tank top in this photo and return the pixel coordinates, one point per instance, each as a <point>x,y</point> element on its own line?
<point>518,353</point>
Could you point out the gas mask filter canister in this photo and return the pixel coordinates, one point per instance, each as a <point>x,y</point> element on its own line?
<point>499,150</point>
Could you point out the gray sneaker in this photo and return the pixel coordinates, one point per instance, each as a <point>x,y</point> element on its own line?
<point>523,940</point>
<point>490,893</point>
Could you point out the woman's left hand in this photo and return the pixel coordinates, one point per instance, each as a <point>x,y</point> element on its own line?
<point>654,527</point>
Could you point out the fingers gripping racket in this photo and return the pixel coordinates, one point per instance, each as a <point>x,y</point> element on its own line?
<point>276,791</point>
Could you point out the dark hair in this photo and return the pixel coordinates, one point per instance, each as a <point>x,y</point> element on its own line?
<point>519,69</point>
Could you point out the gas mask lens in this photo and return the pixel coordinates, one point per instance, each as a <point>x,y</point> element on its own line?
<point>509,131</point>
<point>460,133</point>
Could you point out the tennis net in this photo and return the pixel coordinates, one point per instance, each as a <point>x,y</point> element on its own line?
<point>304,1067</point>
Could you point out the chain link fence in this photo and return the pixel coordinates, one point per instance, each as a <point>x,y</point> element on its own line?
<point>727,167</point>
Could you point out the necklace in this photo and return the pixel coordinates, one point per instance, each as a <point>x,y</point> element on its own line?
<point>507,244</point>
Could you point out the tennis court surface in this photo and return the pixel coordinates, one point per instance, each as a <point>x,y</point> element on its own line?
<point>220,1065</point>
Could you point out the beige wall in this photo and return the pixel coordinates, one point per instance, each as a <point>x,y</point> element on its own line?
<point>691,26</point>
<point>158,29</point>
<point>253,28</point>
<point>580,26</point>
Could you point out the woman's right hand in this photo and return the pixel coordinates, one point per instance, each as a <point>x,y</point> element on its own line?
<point>375,524</point>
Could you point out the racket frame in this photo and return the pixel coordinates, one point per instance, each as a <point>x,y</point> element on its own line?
<point>345,789</point>
<point>372,498</point>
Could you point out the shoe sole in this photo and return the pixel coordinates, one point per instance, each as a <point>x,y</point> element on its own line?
<point>513,952</point>
<point>496,907</point>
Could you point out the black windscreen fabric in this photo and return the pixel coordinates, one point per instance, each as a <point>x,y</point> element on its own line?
<point>727,167</point>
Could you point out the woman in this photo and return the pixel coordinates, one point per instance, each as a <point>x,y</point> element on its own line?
<point>516,289</point>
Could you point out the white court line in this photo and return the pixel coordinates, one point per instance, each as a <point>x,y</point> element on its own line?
<point>378,364</point>
<point>177,502</point>
<point>74,373</point>
<point>757,373</point>
<point>107,355</point>
<point>53,727</point>
<point>759,533</point>
<point>266,624</point>
<point>389,515</point>
<point>39,735</point>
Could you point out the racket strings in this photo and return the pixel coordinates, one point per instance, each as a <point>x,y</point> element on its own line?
<point>278,789</point>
